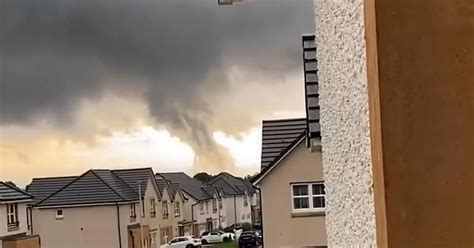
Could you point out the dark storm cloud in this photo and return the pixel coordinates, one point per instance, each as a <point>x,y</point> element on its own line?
<point>54,54</point>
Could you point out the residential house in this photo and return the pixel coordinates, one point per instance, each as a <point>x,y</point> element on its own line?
<point>239,196</point>
<point>292,187</point>
<point>14,219</point>
<point>170,210</point>
<point>100,208</point>
<point>223,202</point>
<point>291,179</point>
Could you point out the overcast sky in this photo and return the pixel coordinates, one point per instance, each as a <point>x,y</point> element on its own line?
<point>177,85</point>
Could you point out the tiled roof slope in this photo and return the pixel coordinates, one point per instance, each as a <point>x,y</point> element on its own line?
<point>92,187</point>
<point>11,193</point>
<point>117,184</point>
<point>238,185</point>
<point>189,185</point>
<point>133,176</point>
<point>40,188</point>
<point>278,136</point>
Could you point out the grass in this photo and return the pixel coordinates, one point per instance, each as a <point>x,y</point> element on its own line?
<point>225,245</point>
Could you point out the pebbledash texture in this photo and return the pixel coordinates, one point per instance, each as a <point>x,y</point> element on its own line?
<point>345,127</point>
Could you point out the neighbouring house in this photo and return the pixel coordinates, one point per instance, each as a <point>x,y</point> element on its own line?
<point>223,202</point>
<point>14,218</point>
<point>291,180</point>
<point>170,210</point>
<point>100,208</point>
<point>292,187</point>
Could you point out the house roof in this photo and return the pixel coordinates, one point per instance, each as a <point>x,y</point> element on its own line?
<point>279,158</point>
<point>11,193</point>
<point>163,185</point>
<point>189,185</point>
<point>232,185</point>
<point>278,136</point>
<point>92,187</point>
<point>133,176</point>
<point>40,188</point>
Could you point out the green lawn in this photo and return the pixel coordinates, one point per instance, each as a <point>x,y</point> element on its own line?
<point>225,245</point>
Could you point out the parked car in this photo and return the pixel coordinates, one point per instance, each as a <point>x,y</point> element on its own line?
<point>250,239</point>
<point>216,237</point>
<point>183,242</point>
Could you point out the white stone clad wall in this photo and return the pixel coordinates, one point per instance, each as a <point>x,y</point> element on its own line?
<point>347,169</point>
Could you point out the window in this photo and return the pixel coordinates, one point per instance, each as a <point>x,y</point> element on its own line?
<point>165,209</point>
<point>246,200</point>
<point>12,217</point>
<point>59,214</point>
<point>177,209</point>
<point>308,197</point>
<point>153,243</point>
<point>207,207</point>
<point>133,212</point>
<point>220,203</point>
<point>152,207</point>
<point>142,203</point>
<point>214,205</point>
<point>201,207</point>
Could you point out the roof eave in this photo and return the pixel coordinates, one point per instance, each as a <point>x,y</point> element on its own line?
<point>277,162</point>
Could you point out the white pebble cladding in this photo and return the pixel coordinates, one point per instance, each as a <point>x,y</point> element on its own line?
<point>345,130</point>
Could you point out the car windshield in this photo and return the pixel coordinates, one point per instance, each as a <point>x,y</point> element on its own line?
<point>221,232</point>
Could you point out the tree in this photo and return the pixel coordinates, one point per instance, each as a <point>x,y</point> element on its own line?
<point>250,177</point>
<point>11,184</point>
<point>203,177</point>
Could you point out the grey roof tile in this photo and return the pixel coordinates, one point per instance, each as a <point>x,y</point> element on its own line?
<point>133,176</point>
<point>232,185</point>
<point>278,136</point>
<point>89,188</point>
<point>117,184</point>
<point>11,193</point>
<point>189,185</point>
<point>40,188</point>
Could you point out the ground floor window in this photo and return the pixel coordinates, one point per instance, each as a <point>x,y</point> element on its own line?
<point>308,197</point>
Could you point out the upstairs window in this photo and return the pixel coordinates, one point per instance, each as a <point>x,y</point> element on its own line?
<point>12,217</point>
<point>133,211</point>
<point>214,205</point>
<point>220,203</point>
<point>152,207</point>
<point>177,209</point>
<point>59,214</point>
<point>246,200</point>
<point>165,209</point>
<point>308,197</point>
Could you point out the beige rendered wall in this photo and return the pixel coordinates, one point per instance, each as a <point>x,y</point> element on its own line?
<point>279,227</point>
<point>425,53</point>
<point>99,227</point>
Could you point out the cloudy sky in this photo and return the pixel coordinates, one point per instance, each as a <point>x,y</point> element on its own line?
<point>177,85</point>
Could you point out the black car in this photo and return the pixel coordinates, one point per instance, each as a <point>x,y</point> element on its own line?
<point>250,239</point>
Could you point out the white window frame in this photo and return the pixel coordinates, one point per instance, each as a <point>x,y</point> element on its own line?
<point>165,212</point>
<point>12,215</point>
<point>246,200</point>
<point>59,216</point>
<point>133,211</point>
<point>152,207</point>
<point>214,205</point>
<point>310,196</point>
<point>177,209</point>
